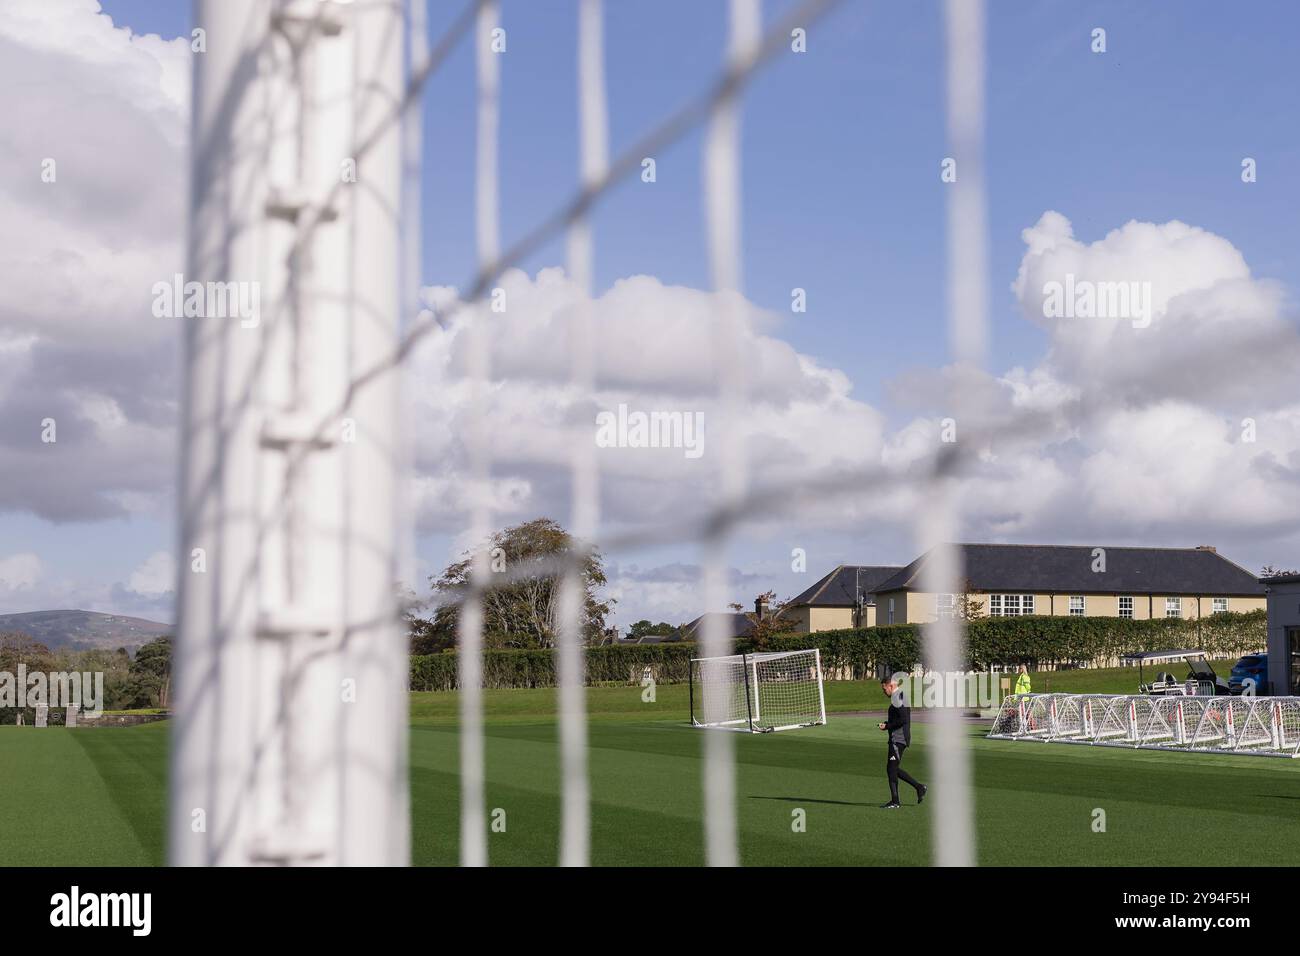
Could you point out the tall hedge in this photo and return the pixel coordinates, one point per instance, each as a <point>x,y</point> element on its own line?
<point>618,664</point>
<point>856,653</point>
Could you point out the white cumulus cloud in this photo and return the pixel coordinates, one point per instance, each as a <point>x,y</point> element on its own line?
<point>92,186</point>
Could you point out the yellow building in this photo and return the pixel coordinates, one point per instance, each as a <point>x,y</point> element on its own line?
<point>1007,580</point>
<point>843,598</point>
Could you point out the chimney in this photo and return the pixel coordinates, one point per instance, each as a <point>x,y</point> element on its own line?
<point>760,608</point>
<point>1207,547</point>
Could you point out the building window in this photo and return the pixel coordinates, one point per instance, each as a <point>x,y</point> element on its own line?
<point>947,607</point>
<point>1010,605</point>
<point>891,610</point>
<point>1220,606</point>
<point>1077,606</point>
<point>1173,607</point>
<point>1126,607</point>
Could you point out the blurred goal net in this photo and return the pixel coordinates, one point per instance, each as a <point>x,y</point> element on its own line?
<point>307,166</point>
<point>758,693</point>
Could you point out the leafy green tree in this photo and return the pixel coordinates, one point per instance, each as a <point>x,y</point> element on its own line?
<point>524,610</point>
<point>150,675</point>
<point>770,624</point>
<point>644,628</point>
<point>114,665</point>
<point>22,650</point>
<point>17,648</point>
<point>968,605</point>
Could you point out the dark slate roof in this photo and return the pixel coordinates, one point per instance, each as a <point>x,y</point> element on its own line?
<point>839,588</point>
<point>1054,567</point>
<point>736,625</point>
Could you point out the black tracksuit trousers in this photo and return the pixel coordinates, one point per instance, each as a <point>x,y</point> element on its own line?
<point>894,768</point>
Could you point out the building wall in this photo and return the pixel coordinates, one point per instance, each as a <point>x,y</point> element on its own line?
<point>902,608</point>
<point>921,606</point>
<point>831,618</point>
<point>881,615</point>
<point>799,618</point>
<point>805,619</point>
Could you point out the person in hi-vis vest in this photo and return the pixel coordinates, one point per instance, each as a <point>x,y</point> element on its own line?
<point>1022,681</point>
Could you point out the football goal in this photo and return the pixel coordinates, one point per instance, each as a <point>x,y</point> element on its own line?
<point>758,693</point>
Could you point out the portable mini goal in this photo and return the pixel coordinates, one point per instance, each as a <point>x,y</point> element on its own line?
<point>1265,726</point>
<point>758,693</point>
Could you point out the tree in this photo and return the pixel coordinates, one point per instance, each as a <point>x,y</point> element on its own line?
<point>1271,572</point>
<point>522,611</point>
<point>22,650</point>
<point>644,628</point>
<point>967,605</point>
<point>17,648</point>
<point>421,633</point>
<point>149,678</point>
<point>766,626</point>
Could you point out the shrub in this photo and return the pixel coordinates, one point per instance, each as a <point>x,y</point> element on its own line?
<point>858,653</point>
<point>617,664</point>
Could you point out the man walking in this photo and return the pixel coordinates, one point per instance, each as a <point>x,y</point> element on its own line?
<point>898,724</point>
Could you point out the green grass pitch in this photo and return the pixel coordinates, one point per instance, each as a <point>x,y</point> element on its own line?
<point>97,797</point>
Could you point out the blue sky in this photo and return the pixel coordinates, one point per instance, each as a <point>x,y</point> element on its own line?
<point>842,194</point>
<point>842,146</point>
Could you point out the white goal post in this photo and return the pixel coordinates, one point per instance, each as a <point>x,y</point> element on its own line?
<point>758,693</point>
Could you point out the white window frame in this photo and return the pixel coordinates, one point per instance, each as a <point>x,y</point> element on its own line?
<point>1220,605</point>
<point>891,610</point>
<point>1010,605</point>
<point>1173,607</point>
<point>1131,605</point>
<point>945,608</point>
<point>1082,609</point>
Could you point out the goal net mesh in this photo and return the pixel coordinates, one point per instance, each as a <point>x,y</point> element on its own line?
<point>758,692</point>
<point>1245,725</point>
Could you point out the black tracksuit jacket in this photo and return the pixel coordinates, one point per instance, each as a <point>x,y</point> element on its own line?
<point>899,725</point>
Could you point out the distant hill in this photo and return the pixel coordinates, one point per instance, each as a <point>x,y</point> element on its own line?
<point>84,630</point>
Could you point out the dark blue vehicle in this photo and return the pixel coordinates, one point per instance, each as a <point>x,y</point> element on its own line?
<point>1252,667</point>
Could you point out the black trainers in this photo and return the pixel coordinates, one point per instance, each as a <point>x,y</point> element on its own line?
<point>921,791</point>
<point>891,805</point>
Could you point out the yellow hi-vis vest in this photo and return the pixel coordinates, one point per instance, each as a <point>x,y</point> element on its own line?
<point>1022,684</point>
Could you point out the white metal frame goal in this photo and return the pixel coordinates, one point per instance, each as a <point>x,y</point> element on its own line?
<point>758,693</point>
<point>1261,726</point>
